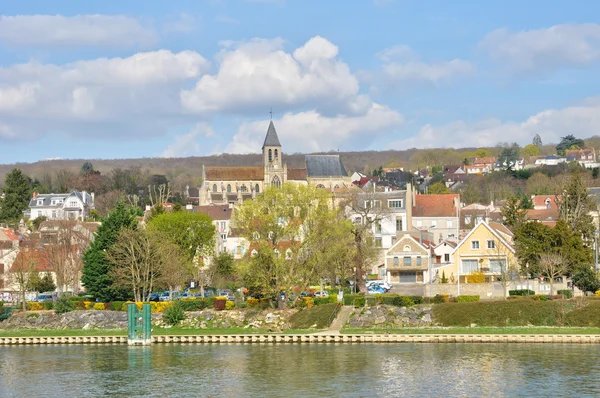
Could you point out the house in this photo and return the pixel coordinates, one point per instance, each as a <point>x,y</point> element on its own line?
<point>192,195</point>
<point>438,214</point>
<point>9,248</point>
<point>585,157</point>
<point>475,169</point>
<point>408,261</point>
<point>545,209</point>
<point>553,160</point>
<point>77,232</point>
<point>221,217</point>
<point>471,215</point>
<point>27,261</point>
<point>442,252</point>
<point>487,163</point>
<point>455,174</point>
<point>356,176</point>
<point>516,165</point>
<point>487,248</point>
<point>65,206</point>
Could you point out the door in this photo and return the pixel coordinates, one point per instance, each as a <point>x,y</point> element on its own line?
<point>408,277</point>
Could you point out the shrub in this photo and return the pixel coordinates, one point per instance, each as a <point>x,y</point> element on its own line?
<point>566,292</point>
<point>370,301</point>
<point>79,305</point>
<point>48,305</point>
<point>87,305</point>
<point>174,313</point>
<point>307,302</point>
<point>521,292</point>
<point>359,301</point>
<point>191,304</point>
<point>252,302</point>
<point>444,279</point>
<point>99,306</point>
<point>34,306</point>
<point>440,298</point>
<point>406,301</point>
<point>466,299</point>
<point>389,299</point>
<point>33,315</point>
<point>63,305</point>
<point>229,305</point>
<point>316,317</point>
<point>417,299</point>
<point>349,298</point>
<point>476,277</point>
<point>597,293</point>
<point>321,300</point>
<point>115,305</point>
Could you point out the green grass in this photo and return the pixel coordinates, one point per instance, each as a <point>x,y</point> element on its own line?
<point>479,330</point>
<point>317,317</point>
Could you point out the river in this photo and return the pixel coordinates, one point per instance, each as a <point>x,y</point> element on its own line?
<point>366,370</point>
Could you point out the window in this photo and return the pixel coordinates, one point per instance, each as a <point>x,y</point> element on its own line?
<point>257,188</point>
<point>479,219</point>
<point>253,253</point>
<point>224,237</point>
<point>357,220</point>
<point>395,203</point>
<point>40,202</point>
<point>407,261</point>
<point>378,242</point>
<point>434,224</point>
<point>72,203</point>
<point>406,248</point>
<point>469,266</point>
<point>244,189</point>
<point>474,244</point>
<point>276,182</point>
<point>270,156</point>
<point>467,219</point>
<point>418,260</point>
<point>378,228</point>
<point>491,244</point>
<point>214,187</point>
<point>497,266</point>
<point>396,262</point>
<point>320,186</point>
<point>448,224</point>
<point>447,257</point>
<point>276,154</point>
<point>53,213</point>
<point>222,225</point>
<point>393,240</point>
<point>228,188</point>
<point>419,223</point>
<point>238,250</point>
<point>399,224</point>
<point>372,204</point>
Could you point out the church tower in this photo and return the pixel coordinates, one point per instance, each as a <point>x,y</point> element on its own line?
<point>275,169</point>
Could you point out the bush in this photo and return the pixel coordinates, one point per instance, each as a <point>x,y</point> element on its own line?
<point>48,305</point>
<point>440,298</point>
<point>252,302</point>
<point>116,305</point>
<point>307,302</point>
<point>406,301</point>
<point>466,299</point>
<point>389,299</point>
<point>174,313</point>
<point>197,304</point>
<point>321,300</point>
<point>417,299</point>
<point>371,301</point>
<point>229,305</point>
<point>566,292</point>
<point>63,305</point>
<point>359,301</point>
<point>99,306</point>
<point>349,298</point>
<point>219,303</point>
<point>521,292</point>
<point>34,306</point>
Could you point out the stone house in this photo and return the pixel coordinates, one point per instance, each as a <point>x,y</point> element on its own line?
<point>408,260</point>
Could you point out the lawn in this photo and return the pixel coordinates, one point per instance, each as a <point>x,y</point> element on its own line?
<point>479,330</point>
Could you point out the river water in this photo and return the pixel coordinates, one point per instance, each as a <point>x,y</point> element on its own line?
<point>365,370</point>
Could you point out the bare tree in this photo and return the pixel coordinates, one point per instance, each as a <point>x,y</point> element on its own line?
<point>506,267</point>
<point>175,268</point>
<point>552,265</point>
<point>20,273</point>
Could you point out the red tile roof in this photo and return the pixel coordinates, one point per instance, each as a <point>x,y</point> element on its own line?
<point>484,161</point>
<point>296,174</point>
<point>540,200</point>
<point>226,173</point>
<point>545,216</point>
<point>9,233</point>
<point>32,260</point>
<point>435,205</point>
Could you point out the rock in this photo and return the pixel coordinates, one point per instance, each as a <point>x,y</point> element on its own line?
<point>86,326</point>
<point>426,318</point>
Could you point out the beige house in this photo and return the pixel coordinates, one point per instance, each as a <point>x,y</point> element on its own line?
<point>408,261</point>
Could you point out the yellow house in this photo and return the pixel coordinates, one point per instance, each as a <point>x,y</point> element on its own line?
<point>407,261</point>
<point>487,248</point>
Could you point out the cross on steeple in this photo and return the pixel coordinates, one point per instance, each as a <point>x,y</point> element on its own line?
<point>271,113</point>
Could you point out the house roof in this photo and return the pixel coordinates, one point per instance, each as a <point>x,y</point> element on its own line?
<point>484,161</point>
<point>56,224</point>
<point>500,228</point>
<point>545,216</point>
<point>215,212</point>
<point>229,173</point>
<point>579,152</point>
<point>27,260</point>
<point>540,200</point>
<point>271,138</point>
<point>425,244</point>
<point>47,198</point>
<point>435,205</point>
<point>447,242</point>
<point>7,234</point>
<point>193,193</point>
<point>474,206</point>
<point>483,224</point>
<point>296,174</point>
<point>325,166</point>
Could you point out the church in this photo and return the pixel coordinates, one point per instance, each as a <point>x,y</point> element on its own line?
<point>232,185</point>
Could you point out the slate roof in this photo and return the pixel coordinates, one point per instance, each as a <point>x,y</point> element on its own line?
<point>271,139</point>
<point>48,199</point>
<point>296,174</point>
<point>231,173</point>
<point>435,205</point>
<point>325,166</point>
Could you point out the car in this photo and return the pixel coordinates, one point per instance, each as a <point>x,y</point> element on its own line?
<point>375,289</point>
<point>45,297</point>
<point>207,293</point>
<point>166,297</point>
<point>383,284</point>
<point>153,297</point>
<point>321,293</point>
<point>227,293</point>
<point>306,294</point>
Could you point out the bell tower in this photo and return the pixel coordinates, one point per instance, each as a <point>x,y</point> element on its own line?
<point>275,170</point>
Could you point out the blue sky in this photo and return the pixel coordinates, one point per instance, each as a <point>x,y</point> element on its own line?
<point>119,79</point>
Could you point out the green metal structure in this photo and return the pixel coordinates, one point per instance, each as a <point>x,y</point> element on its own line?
<point>139,325</point>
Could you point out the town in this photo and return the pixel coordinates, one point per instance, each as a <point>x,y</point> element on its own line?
<point>285,234</point>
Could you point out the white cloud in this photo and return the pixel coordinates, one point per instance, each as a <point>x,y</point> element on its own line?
<point>123,97</point>
<point>310,131</point>
<point>187,144</point>
<point>79,30</point>
<point>543,50</point>
<point>582,120</point>
<point>256,75</point>
<point>402,67</point>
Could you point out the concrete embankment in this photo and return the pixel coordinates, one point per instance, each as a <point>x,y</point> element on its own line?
<point>312,339</point>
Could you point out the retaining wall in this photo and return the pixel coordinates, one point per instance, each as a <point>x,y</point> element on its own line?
<point>314,338</point>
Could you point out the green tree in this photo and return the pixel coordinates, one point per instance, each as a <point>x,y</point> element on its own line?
<point>17,192</point>
<point>96,275</point>
<point>223,269</point>
<point>438,188</point>
<point>41,284</point>
<point>513,213</point>
<point>537,141</point>
<point>585,279</point>
<point>529,151</point>
<point>508,156</point>
<point>575,205</point>
<point>194,233</point>
<point>87,168</point>
<point>569,142</point>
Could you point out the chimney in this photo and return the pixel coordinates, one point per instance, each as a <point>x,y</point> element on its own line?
<point>93,198</point>
<point>34,195</point>
<point>83,195</point>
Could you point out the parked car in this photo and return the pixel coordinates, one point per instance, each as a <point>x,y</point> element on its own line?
<point>375,289</point>
<point>153,297</point>
<point>321,293</point>
<point>386,286</point>
<point>306,294</point>
<point>45,297</point>
<point>165,296</point>
<point>207,293</point>
<point>227,293</point>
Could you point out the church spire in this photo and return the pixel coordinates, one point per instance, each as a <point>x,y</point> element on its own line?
<point>271,139</point>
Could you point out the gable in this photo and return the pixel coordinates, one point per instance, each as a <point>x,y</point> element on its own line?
<point>483,232</point>
<point>406,242</point>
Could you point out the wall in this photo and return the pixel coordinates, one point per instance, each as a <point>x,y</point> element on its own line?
<point>495,290</point>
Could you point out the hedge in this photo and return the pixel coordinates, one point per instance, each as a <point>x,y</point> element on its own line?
<point>466,299</point>
<point>521,292</point>
<point>349,298</point>
<point>566,292</point>
<point>359,301</point>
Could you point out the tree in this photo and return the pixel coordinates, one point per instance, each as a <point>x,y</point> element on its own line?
<point>552,265</point>
<point>96,275</point>
<point>530,150</point>
<point>223,270</point>
<point>569,142</point>
<point>192,232</point>
<point>438,188</point>
<point>20,272</point>
<point>586,279</point>
<point>575,206</point>
<point>509,156</point>
<point>40,284</point>
<point>17,193</point>
<point>537,141</point>
<point>512,212</point>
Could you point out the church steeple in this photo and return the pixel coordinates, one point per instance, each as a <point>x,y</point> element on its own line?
<point>271,139</point>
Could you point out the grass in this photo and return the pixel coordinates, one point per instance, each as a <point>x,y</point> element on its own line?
<point>317,317</point>
<point>479,330</point>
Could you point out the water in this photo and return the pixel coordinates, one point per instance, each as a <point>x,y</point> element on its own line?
<point>367,370</point>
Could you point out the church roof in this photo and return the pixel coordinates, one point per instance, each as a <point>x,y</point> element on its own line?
<point>232,173</point>
<point>296,174</point>
<point>325,166</point>
<point>271,139</point>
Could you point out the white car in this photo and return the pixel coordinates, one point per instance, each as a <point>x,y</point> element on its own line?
<point>383,284</point>
<point>322,293</point>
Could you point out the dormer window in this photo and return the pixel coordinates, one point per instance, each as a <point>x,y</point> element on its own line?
<point>548,206</point>
<point>40,202</point>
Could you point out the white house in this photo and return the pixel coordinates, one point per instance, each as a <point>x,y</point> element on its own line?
<point>61,206</point>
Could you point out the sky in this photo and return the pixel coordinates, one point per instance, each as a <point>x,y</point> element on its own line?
<point>130,79</point>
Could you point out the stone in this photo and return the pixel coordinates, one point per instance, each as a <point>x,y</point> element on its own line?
<point>426,318</point>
